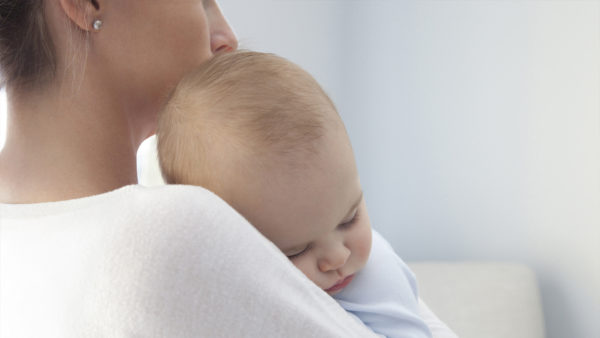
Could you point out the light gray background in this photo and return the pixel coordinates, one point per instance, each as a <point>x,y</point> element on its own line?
<point>476,127</point>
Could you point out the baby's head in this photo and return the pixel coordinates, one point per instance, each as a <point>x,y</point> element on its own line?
<point>260,132</point>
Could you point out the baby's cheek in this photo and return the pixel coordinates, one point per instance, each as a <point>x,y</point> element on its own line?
<point>363,245</point>
<point>304,264</point>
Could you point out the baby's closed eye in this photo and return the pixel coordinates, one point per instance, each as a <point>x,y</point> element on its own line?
<point>350,223</point>
<point>298,253</point>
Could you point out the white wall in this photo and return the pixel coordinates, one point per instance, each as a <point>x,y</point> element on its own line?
<point>306,32</point>
<point>476,126</point>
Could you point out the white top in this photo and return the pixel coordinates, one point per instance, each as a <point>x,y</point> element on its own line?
<point>384,296</point>
<point>169,261</point>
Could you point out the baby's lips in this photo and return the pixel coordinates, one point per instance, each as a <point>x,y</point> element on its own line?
<point>340,284</point>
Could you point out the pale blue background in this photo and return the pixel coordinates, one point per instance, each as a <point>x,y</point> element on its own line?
<point>476,126</point>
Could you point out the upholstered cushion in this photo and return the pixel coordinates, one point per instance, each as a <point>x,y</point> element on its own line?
<point>484,299</point>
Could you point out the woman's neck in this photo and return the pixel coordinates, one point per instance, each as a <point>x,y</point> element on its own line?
<point>62,146</point>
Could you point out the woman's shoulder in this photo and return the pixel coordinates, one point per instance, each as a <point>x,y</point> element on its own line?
<point>168,195</point>
<point>184,220</point>
<point>185,209</point>
<point>132,211</point>
<point>134,200</point>
<point>162,258</point>
<point>181,213</point>
<point>172,200</point>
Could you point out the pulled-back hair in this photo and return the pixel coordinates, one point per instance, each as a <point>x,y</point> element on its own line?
<point>254,106</point>
<point>26,49</point>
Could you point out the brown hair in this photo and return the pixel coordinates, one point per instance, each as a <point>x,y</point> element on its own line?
<point>238,107</point>
<point>26,48</point>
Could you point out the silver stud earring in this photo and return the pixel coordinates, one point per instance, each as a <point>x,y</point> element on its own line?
<point>97,24</point>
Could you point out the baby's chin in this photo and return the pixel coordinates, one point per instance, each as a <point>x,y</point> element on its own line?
<point>333,293</point>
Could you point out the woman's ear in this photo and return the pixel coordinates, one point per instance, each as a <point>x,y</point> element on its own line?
<point>83,13</point>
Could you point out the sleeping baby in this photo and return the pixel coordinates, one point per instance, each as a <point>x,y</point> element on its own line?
<point>259,131</point>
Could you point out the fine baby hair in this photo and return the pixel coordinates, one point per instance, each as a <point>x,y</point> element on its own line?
<point>258,106</point>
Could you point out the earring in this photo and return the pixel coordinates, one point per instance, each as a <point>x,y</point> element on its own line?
<point>97,24</point>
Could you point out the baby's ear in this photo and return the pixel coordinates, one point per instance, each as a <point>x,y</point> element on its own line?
<point>83,13</point>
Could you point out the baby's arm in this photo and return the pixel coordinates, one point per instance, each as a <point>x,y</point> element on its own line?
<point>384,296</point>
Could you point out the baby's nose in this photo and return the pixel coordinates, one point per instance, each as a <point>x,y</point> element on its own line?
<point>334,259</point>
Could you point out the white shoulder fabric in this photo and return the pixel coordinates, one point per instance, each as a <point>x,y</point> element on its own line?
<point>171,261</point>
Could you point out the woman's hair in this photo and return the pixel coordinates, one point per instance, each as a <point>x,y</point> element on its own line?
<point>26,48</point>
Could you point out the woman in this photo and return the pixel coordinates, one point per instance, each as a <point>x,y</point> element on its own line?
<point>86,252</point>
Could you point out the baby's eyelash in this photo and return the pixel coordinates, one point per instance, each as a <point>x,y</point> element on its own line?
<point>299,253</point>
<point>350,223</point>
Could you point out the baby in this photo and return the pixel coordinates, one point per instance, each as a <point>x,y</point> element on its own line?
<point>261,133</point>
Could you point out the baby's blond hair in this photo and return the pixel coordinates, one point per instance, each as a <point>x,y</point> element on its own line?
<point>238,110</point>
